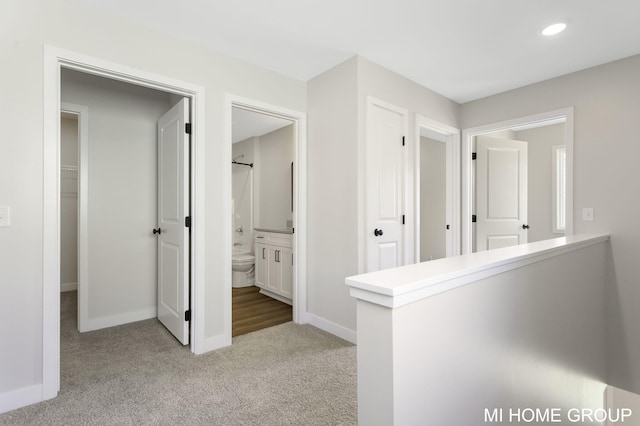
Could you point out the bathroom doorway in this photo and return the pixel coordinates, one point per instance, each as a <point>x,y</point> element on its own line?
<point>265,225</point>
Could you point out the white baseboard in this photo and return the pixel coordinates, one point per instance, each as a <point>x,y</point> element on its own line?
<point>332,327</point>
<point>125,318</point>
<point>20,398</point>
<point>68,287</point>
<point>211,344</point>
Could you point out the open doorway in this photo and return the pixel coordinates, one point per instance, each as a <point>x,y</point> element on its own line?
<point>135,184</point>
<point>437,194</point>
<point>518,184</point>
<point>268,166</point>
<point>55,61</point>
<point>262,194</point>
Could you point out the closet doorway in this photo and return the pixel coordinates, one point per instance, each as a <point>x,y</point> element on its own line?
<point>56,61</point>
<point>133,185</point>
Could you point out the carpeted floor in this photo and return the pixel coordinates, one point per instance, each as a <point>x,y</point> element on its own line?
<point>138,374</point>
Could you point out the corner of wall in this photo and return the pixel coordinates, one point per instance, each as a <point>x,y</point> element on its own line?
<point>21,398</point>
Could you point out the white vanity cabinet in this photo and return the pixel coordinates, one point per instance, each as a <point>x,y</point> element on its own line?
<point>274,264</point>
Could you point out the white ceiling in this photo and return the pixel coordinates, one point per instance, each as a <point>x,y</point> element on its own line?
<point>247,124</point>
<point>462,49</point>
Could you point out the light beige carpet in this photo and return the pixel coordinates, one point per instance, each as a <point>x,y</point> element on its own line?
<point>138,374</point>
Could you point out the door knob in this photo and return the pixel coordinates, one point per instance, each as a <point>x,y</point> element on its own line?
<point>525,226</point>
<point>157,231</point>
<point>377,232</point>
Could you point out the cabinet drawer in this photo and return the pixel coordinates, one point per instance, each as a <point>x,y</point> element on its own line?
<point>274,239</point>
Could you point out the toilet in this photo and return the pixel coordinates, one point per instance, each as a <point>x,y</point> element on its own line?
<point>242,265</point>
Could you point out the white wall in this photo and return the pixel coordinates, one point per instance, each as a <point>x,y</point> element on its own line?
<point>332,195</point>
<point>69,208</point>
<point>433,199</point>
<point>607,102</point>
<point>376,81</point>
<point>25,27</point>
<point>529,334</point>
<point>336,138</point>
<point>540,189</point>
<point>270,194</point>
<point>243,190</point>
<point>122,204</point>
<point>274,155</point>
<point>622,401</point>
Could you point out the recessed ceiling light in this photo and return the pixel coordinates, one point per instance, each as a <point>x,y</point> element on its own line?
<point>554,29</point>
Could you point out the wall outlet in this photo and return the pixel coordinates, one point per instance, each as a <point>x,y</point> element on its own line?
<point>587,214</point>
<point>4,216</point>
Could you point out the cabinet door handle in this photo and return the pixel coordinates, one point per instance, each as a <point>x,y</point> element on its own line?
<point>278,256</point>
<point>263,253</point>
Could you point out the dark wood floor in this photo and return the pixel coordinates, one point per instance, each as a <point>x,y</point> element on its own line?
<point>253,311</point>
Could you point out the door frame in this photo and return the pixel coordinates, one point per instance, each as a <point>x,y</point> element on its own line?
<point>54,60</point>
<point>563,115</point>
<point>452,143</point>
<point>299,120</point>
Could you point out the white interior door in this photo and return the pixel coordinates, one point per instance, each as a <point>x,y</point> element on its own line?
<point>385,165</point>
<point>173,210</point>
<point>501,192</point>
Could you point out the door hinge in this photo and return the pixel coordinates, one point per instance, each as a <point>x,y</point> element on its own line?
<point>403,219</point>
<point>403,141</point>
<point>474,219</point>
<point>187,315</point>
<point>187,128</point>
<point>187,222</point>
<point>473,156</point>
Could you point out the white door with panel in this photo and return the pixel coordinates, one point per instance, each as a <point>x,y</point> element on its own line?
<point>173,212</point>
<point>385,185</point>
<point>501,193</point>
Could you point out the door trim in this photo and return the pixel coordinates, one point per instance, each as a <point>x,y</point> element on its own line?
<point>299,120</point>
<point>54,60</point>
<point>564,115</point>
<point>452,142</point>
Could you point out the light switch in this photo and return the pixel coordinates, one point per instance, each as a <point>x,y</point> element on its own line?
<point>4,216</point>
<point>587,214</point>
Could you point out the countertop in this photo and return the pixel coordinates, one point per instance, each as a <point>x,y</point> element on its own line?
<point>277,231</point>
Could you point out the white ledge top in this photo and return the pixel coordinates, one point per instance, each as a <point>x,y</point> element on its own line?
<point>406,284</point>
